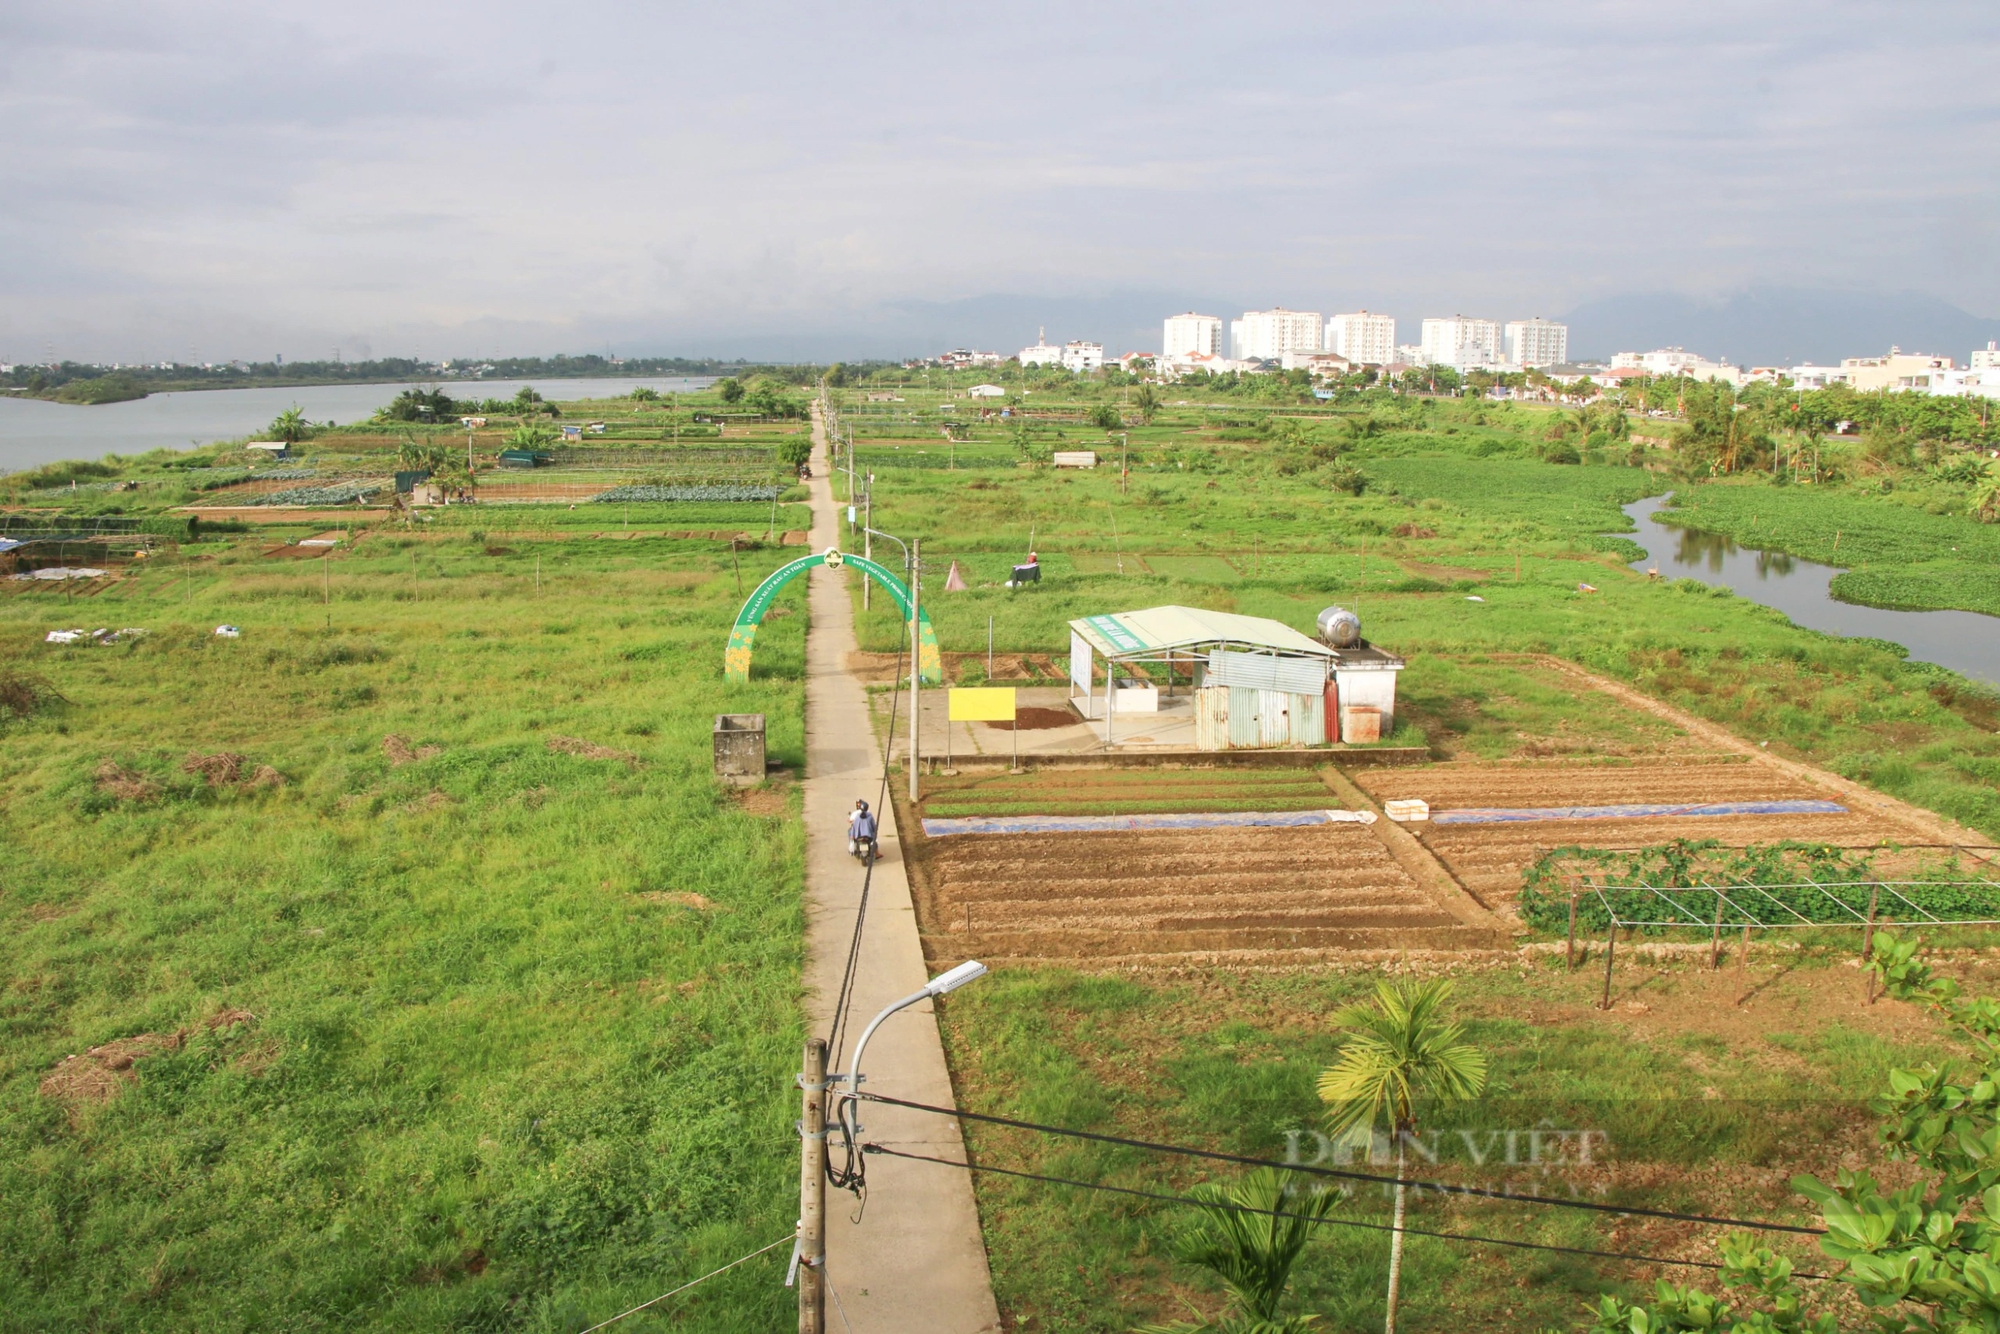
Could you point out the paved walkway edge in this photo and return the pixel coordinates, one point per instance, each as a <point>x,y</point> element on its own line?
<point>915,1260</point>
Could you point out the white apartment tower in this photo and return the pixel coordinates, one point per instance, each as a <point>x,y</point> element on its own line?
<point>1536,342</point>
<point>1266,335</point>
<point>1363,337</point>
<point>1192,334</point>
<point>1461,342</point>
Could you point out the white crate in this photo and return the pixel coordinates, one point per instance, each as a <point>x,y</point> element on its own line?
<point>1407,810</point>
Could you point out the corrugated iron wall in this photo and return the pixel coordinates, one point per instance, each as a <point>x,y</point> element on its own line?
<point>1237,718</point>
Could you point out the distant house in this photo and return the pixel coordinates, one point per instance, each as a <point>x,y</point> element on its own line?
<point>277,449</point>
<point>986,391</point>
<point>1041,354</point>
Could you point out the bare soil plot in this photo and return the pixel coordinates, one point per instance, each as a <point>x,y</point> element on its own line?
<point>1163,896</point>
<point>1489,859</point>
<point>1249,897</point>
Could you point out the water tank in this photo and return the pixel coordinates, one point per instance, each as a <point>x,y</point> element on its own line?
<point>1339,628</point>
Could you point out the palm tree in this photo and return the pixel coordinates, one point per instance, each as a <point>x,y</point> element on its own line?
<point>1249,1237</point>
<point>1400,1051</point>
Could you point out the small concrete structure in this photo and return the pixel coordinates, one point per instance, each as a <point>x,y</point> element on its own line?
<point>1364,679</point>
<point>739,747</point>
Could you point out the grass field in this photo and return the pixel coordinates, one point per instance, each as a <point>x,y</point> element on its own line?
<point>399,965</point>
<point>471,996</point>
<point>1437,529</point>
<point>1695,1104</point>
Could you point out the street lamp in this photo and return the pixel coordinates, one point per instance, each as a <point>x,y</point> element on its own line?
<point>937,986</point>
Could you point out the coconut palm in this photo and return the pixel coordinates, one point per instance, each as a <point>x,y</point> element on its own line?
<point>1249,1236</point>
<point>1398,1053</point>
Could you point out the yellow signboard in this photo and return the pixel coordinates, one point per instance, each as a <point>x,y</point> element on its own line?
<point>988,704</point>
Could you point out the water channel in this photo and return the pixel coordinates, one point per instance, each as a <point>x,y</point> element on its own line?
<point>34,431</point>
<point>1965,641</point>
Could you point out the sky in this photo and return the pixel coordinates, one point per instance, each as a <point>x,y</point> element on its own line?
<point>206,181</point>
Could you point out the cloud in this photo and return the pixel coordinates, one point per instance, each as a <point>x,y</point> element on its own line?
<point>225,172</point>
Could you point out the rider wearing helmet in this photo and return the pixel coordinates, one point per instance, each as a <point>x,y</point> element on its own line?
<point>861,827</point>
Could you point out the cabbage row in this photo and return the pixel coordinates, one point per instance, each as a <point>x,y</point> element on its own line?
<point>341,494</point>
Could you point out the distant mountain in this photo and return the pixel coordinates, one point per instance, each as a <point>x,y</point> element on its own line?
<point>1779,326</point>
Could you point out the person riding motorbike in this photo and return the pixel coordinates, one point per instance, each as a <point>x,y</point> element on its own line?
<point>861,831</point>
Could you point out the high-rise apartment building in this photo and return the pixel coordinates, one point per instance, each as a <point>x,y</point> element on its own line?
<point>1536,342</point>
<point>1191,333</point>
<point>1986,358</point>
<point>1462,342</point>
<point>1363,337</point>
<point>1266,335</point>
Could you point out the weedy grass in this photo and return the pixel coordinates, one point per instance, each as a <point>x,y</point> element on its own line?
<point>1524,537</point>
<point>1687,1106</point>
<point>438,1040</point>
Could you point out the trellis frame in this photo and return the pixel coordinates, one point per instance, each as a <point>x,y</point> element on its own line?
<point>1743,896</point>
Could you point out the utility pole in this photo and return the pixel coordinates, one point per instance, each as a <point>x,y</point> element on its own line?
<point>867,531</point>
<point>812,1192</point>
<point>916,655</point>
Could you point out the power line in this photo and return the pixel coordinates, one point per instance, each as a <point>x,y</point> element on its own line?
<point>685,1286</point>
<point>1330,1221</point>
<point>1443,1187</point>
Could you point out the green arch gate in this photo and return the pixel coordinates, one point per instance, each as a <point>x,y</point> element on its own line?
<point>743,636</point>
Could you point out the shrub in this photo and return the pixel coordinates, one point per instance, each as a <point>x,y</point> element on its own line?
<point>23,694</point>
<point>1346,477</point>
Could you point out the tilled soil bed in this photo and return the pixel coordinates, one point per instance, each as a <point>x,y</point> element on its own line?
<point>1159,896</point>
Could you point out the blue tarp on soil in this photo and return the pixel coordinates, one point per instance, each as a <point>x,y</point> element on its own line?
<point>1070,824</point>
<point>1500,815</point>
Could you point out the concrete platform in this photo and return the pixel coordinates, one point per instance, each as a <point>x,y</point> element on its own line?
<point>1134,738</point>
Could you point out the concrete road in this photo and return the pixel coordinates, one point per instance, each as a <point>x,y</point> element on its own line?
<point>915,1260</point>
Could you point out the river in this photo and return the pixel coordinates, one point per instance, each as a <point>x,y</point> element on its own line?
<point>1965,641</point>
<point>34,432</point>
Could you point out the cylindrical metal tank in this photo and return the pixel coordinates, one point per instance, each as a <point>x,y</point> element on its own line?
<point>1339,628</point>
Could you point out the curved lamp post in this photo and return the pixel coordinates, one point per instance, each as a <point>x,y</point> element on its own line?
<point>937,986</point>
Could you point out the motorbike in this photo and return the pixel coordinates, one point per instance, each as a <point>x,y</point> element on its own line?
<point>865,850</point>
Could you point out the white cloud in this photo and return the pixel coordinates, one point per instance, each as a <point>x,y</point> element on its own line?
<point>238,174</point>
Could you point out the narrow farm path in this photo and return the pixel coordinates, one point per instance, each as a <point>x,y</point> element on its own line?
<point>916,1259</point>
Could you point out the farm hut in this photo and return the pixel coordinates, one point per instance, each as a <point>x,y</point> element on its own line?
<point>1256,683</point>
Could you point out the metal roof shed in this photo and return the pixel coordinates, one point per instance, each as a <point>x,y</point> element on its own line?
<point>1258,681</point>
<point>1251,652</point>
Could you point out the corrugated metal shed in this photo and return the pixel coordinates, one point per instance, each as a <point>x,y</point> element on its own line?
<point>1160,629</point>
<point>1264,671</point>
